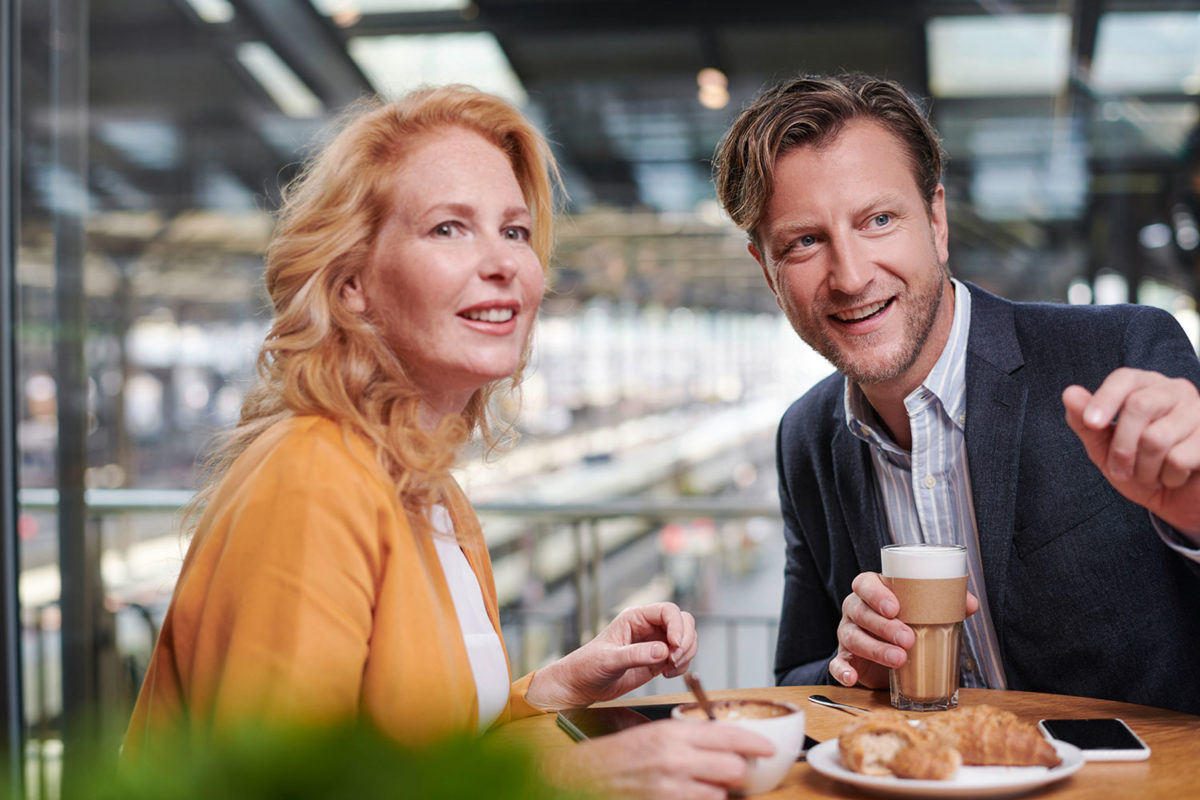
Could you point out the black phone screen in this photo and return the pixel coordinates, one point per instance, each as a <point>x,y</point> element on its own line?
<point>1094,734</point>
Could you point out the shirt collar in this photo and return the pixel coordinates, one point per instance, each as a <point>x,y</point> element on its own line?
<point>946,382</point>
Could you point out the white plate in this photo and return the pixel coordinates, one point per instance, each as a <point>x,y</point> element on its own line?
<point>967,782</point>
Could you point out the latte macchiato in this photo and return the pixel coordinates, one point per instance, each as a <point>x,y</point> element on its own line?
<point>930,581</point>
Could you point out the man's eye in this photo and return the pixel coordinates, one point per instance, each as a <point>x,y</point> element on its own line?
<point>807,241</point>
<point>881,220</point>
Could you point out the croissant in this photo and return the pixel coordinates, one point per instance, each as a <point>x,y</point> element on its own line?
<point>985,735</point>
<point>928,762</point>
<point>872,743</point>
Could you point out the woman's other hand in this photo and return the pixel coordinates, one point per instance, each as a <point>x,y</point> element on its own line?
<point>666,759</point>
<point>643,641</point>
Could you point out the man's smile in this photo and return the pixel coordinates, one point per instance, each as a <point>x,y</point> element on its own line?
<point>862,313</point>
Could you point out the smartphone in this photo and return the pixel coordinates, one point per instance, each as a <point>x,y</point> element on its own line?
<point>1108,739</point>
<point>588,723</point>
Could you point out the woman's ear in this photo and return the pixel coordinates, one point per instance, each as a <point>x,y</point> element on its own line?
<point>353,295</point>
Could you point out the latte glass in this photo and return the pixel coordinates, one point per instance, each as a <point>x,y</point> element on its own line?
<point>930,581</point>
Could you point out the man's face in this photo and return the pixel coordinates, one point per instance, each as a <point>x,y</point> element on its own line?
<point>856,259</point>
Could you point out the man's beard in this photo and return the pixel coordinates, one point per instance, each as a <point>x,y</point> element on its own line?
<point>921,310</point>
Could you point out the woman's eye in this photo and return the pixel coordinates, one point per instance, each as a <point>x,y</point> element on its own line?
<point>446,229</point>
<point>517,233</point>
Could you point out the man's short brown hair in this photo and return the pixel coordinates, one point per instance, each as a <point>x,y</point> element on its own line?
<point>811,111</point>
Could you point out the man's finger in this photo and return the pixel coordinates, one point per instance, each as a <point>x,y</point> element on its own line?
<point>870,587</point>
<point>1109,399</point>
<point>1095,440</point>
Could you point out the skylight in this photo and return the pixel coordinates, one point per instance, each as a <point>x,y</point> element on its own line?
<point>332,8</point>
<point>397,64</point>
<point>287,90</point>
<point>1009,54</point>
<point>214,11</point>
<point>1148,52</point>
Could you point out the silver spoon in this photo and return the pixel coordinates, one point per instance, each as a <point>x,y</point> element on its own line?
<point>822,700</point>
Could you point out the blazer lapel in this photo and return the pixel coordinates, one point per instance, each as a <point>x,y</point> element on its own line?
<point>996,400</point>
<point>854,476</point>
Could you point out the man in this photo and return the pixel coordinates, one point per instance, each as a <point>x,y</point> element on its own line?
<point>945,423</point>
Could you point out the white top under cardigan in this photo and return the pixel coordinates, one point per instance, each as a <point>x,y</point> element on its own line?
<point>484,649</point>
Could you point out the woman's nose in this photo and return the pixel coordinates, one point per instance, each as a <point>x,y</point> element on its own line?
<point>499,260</point>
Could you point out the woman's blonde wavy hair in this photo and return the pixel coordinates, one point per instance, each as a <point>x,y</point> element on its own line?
<point>319,358</point>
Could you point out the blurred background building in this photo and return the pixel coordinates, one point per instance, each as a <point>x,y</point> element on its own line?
<point>145,144</point>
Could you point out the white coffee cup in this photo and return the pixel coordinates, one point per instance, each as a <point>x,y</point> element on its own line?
<point>781,723</point>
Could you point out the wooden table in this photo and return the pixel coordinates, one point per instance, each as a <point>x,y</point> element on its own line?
<point>1172,772</point>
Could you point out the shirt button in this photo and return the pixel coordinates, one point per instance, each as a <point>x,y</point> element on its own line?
<point>962,419</point>
<point>969,663</point>
<point>930,481</point>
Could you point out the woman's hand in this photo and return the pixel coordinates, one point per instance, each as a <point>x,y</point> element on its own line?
<point>665,759</point>
<point>640,643</point>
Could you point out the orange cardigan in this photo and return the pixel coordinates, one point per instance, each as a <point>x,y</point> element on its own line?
<point>306,595</point>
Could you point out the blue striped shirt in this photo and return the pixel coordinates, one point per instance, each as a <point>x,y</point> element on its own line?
<point>926,492</point>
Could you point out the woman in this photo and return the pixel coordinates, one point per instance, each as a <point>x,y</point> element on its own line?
<point>336,568</point>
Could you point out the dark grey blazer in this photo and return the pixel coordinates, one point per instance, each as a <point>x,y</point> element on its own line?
<point>1085,597</point>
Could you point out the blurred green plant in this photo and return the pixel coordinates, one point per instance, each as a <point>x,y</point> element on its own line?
<point>348,761</point>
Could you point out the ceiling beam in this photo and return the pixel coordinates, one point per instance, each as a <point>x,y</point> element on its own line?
<point>310,45</point>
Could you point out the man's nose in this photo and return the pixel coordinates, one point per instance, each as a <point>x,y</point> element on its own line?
<point>850,269</point>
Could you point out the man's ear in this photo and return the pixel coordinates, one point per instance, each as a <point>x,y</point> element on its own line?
<point>353,295</point>
<point>939,225</point>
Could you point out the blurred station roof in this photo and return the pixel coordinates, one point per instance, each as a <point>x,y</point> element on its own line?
<point>1067,122</point>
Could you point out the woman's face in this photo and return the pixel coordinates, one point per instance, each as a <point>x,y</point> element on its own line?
<point>452,281</point>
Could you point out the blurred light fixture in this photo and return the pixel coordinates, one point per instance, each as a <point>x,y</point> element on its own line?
<point>1079,293</point>
<point>344,13</point>
<point>1155,236</point>
<point>277,79</point>
<point>331,8</point>
<point>1187,235</point>
<point>214,11</point>
<point>1110,288</point>
<point>1007,54</point>
<point>714,88</point>
<point>399,63</point>
<point>1156,51</point>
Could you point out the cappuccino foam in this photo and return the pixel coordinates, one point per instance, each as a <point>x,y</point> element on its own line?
<point>738,709</point>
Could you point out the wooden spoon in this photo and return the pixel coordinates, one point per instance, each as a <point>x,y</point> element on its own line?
<point>693,683</point>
